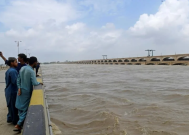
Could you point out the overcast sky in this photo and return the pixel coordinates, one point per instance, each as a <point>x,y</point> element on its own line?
<point>59,30</point>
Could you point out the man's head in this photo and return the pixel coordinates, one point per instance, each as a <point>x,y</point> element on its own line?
<point>12,62</point>
<point>22,58</point>
<point>27,60</point>
<point>33,62</point>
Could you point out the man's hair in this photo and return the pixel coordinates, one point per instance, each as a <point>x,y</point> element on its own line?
<point>28,60</point>
<point>32,60</point>
<point>10,60</point>
<point>23,56</point>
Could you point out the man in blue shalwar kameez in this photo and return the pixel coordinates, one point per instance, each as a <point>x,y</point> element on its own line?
<point>25,82</point>
<point>11,90</point>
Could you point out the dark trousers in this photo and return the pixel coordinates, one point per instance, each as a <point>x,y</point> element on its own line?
<point>12,115</point>
<point>37,68</point>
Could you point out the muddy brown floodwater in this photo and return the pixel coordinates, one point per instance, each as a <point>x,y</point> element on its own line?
<point>118,99</point>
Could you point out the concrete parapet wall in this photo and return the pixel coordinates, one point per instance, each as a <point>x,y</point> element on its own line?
<point>38,119</point>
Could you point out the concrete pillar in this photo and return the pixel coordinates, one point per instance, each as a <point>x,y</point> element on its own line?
<point>148,59</point>
<point>175,57</point>
<point>161,59</point>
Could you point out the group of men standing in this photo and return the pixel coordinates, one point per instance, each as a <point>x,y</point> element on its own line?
<point>20,79</point>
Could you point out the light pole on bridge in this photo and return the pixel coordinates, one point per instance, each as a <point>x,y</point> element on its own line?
<point>152,52</point>
<point>148,52</point>
<point>27,51</point>
<point>104,56</point>
<point>18,45</point>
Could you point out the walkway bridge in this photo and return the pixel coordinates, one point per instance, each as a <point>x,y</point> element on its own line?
<point>177,59</point>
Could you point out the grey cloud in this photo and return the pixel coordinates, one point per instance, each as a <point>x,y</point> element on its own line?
<point>54,39</point>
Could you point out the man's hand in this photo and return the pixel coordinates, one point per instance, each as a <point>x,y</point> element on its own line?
<point>19,92</point>
<point>41,83</point>
<point>1,54</point>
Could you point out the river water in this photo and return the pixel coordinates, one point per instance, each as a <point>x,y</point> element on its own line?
<point>118,99</point>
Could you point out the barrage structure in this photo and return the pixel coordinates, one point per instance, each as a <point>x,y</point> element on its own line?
<point>177,59</point>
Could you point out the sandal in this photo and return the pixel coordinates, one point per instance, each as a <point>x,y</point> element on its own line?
<point>18,129</point>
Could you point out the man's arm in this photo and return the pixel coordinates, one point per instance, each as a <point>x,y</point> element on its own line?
<point>34,80</point>
<point>19,84</point>
<point>14,76</point>
<point>19,81</point>
<point>1,55</point>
